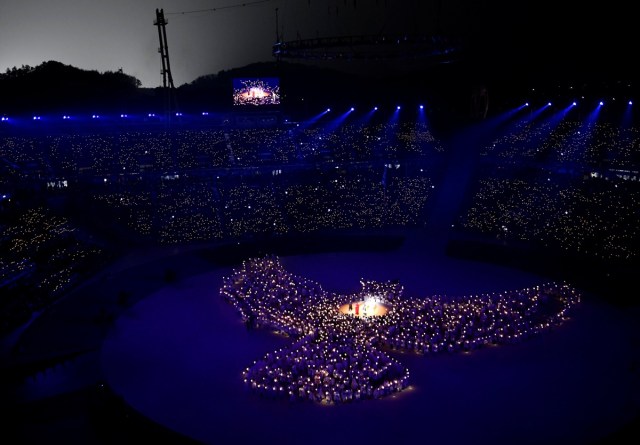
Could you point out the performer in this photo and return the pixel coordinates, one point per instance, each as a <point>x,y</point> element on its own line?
<point>357,308</point>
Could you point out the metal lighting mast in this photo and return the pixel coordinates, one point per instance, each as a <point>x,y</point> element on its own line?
<point>161,23</point>
<point>167,79</point>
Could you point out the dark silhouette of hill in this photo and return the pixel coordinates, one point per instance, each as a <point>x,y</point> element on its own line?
<point>55,87</point>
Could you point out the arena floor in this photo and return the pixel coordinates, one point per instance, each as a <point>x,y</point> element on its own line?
<point>177,356</point>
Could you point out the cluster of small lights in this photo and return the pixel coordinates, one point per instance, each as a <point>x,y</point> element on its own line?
<point>36,234</point>
<point>337,357</point>
<point>166,209</point>
<point>562,144</point>
<point>604,155</point>
<point>139,151</point>
<point>574,218</point>
<point>582,202</point>
<point>376,108</point>
<point>574,103</point>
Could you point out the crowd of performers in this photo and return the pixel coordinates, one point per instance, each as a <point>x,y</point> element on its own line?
<point>337,357</point>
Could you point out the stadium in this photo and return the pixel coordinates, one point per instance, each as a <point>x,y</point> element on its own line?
<point>289,253</point>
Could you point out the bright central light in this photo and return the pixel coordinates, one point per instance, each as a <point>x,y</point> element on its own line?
<point>257,92</point>
<point>371,306</point>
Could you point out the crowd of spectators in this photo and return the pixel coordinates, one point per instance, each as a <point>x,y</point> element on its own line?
<point>188,209</point>
<point>43,256</point>
<point>567,144</point>
<point>116,153</point>
<point>337,357</point>
<point>559,184</point>
<point>569,186</point>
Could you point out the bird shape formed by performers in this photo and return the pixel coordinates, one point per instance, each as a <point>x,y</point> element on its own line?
<point>339,356</point>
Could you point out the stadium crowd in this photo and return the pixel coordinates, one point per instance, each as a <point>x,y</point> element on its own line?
<point>571,186</point>
<point>561,184</point>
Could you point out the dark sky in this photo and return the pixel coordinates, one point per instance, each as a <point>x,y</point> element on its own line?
<point>225,34</point>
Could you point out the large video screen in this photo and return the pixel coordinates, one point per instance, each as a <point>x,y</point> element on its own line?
<point>256,91</point>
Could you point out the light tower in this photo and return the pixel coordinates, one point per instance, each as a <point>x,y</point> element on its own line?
<point>167,78</point>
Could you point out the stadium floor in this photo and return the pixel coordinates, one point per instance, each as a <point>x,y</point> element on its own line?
<point>176,356</point>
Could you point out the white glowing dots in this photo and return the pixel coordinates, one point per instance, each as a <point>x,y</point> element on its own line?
<point>337,348</point>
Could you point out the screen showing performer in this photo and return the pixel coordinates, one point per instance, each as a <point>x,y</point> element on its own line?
<point>256,91</point>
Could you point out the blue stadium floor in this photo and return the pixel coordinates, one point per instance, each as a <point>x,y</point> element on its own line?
<point>176,356</point>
